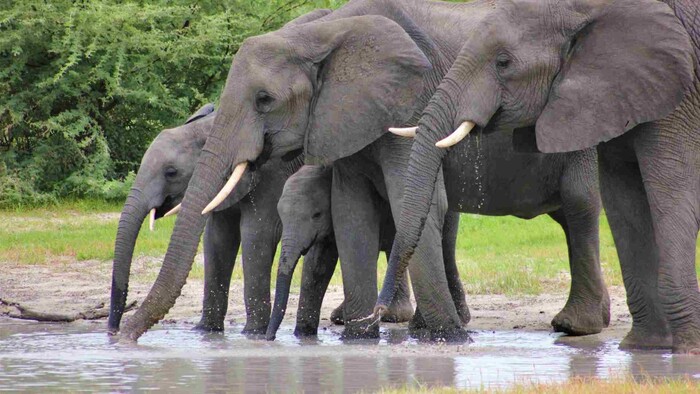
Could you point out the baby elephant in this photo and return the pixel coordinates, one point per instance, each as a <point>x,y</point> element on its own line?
<point>307,230</point>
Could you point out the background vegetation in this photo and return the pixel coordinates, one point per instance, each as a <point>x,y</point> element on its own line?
<point>86,85</point>
<point>495,255</point>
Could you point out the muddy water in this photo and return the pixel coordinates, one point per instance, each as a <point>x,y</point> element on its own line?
<point>46,357</point>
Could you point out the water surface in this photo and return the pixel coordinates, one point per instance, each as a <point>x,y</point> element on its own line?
<point>80,356</point>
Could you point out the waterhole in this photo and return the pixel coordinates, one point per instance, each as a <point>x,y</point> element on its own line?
<point>80,356</point>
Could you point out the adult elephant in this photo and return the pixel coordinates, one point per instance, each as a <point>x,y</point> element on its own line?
<point>333,87</point>
<point>248,218</point>
<point>307,222</point>
<point>619,74</point>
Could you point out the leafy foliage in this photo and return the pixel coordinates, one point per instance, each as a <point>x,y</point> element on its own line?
<point>86,85</point>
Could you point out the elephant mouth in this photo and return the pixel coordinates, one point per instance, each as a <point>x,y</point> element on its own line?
<point>169,203</point>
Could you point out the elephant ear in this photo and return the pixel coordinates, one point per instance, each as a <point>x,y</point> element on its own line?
<point>368,76</point>
<point>202,112</point>
<point>630,63</point>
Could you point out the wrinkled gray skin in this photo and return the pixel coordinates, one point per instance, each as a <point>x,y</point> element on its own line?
<point>338,85</point>
<point>621,75</point>
<point>248,218</point>
<point>333,87</point>
<point>305,211</point>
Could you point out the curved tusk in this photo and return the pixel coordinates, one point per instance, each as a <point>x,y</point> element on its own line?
<point>457,135</point>
<point>152,219</point>
<point>228,187</point>
<point>408,132</point>
<point>173,211</point>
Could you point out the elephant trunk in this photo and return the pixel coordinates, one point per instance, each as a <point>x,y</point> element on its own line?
<point>133,214</point>
<point>287,263</point>
<point>421,175</point>
<point>206,181</point>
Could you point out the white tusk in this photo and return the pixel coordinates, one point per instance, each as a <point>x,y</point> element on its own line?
<point>228,187</point>
<point>152,219</point>
<point>456,136</point>
<point>408,132</point>
<point>173,211</point>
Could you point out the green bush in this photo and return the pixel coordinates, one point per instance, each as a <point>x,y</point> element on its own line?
<point>86,85</point>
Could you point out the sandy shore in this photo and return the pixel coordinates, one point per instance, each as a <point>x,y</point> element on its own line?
<point>69,287</point>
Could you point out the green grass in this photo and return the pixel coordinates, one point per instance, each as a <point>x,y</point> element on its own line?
<point>500,255</point>
<point>575,386</point>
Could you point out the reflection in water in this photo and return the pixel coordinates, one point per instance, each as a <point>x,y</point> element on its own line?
<point>80,355</point>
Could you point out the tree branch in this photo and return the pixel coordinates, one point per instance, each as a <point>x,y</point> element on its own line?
<point>17,311</point>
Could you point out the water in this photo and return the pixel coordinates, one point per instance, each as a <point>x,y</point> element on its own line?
<point>80,356</point>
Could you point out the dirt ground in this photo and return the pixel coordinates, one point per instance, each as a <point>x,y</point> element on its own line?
<point>75,286</point>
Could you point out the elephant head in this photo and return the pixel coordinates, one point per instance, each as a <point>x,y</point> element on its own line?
<point>160,184</point>
<point>329,87</point>
<point>307,227</point>
<point>577,72</point>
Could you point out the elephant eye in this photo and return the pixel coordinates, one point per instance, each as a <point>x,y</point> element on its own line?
<point>263,101</point>
<point>502,61</point>
<point>316,215</point>
<point>170,172</point>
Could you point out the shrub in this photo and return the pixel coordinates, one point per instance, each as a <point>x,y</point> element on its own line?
<point>86,85</point>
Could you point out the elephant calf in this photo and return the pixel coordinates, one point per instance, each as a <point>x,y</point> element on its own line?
<point>305,211</point>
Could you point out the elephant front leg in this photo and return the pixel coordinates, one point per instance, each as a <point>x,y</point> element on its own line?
<point>319,265</point>
<point>260,239</point>
<point>671,173</point>
<point>627,210</point>
<point>221,242</point>
<point>356,227</point>
<point>400,310</point>
<point>431,288</point>
<point>587,311</point>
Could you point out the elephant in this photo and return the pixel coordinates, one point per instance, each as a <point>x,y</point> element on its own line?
<point>306,214</point>
<point>244,220</point>
<point>296,79</point>
<point>333,87</point>
<point>159,189</point>
<point>617,75</point>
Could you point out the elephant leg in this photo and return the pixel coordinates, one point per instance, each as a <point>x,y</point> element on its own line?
<point>400,309</point>
<point>449,248</point>
<point>670,168</point>
<point>337,314</point>
<point>427,266</point>
<point>587,310</point>
<point>319,265</point>
<point>356,226</point>
<point>260,236</point>
<point>222,239</point>
<point>627,210</point>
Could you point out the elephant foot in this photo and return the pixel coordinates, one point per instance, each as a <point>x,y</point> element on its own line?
<point>301,331</point>
<point>417,323</point>
<point>254,331</point>
<point>337,315</point>
<point>687,342</point>
<point>583,318</point>
<point>452,335</point>
<point>639,339</point>
<point>361,328</point>
<point>207,326</point>
<point>398,312</point>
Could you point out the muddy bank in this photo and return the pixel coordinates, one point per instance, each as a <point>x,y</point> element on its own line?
<point>66,287</point>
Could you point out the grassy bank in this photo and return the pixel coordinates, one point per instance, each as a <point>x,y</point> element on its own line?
<point>502,255</point>
<point>577,386</point>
